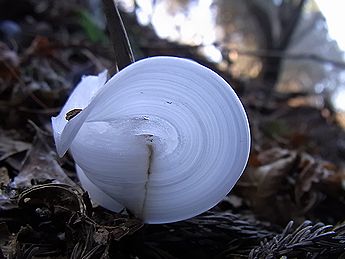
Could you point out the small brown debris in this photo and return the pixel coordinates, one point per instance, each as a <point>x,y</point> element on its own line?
<point>72,113</point>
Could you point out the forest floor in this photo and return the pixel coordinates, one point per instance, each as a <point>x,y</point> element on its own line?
<point>290,200</point>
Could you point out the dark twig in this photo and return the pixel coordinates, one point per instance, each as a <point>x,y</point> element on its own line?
<point>123,52</point>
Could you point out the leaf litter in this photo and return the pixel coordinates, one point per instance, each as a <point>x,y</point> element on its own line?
<point>295,171</point>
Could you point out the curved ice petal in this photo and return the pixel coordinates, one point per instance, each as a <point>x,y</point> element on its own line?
<point>79,99</point>
<point>96,194</point>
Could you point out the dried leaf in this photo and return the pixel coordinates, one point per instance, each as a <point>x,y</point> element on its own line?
<point>4,178</point>
<point>10,146</point>
<point>284,184</point>
<point>9,63</point>
<point>41,165</point>
<point>51,195</point>
<point>40,46</point>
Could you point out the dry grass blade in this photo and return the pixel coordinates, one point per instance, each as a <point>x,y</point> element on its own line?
<point>118,35</point>
<point>89,248</point>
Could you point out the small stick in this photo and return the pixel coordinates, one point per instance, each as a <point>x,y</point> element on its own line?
<point>118,36</point>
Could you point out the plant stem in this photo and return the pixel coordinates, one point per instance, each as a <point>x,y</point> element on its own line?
<point>118,37</point>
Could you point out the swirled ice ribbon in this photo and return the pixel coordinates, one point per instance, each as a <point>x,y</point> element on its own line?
<point>165,137</point>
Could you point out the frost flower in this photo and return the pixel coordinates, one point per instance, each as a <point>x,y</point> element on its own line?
<point>165,138</point>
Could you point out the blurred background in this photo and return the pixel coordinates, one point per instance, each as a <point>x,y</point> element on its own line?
<point>294,46</point>
<point>304,38</point>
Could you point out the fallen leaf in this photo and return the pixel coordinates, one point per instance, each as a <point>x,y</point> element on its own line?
<point>40,46</point>
<point>4,178</point>
<point>10,146</point>
<point>9,63</point>
<point>41,165</point>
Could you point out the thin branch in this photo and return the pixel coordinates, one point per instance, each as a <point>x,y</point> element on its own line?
<point>255,53</point>
<point>118,36</point>
<point>285,55</point>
